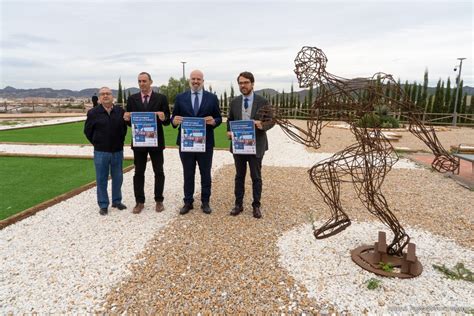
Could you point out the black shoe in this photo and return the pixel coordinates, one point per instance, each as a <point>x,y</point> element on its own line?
<point>236,210</point>
<point>206,208</point>
<point>257,213</point>
<point>120,206</point>
<point>103,211</point>
<point>186,208</point>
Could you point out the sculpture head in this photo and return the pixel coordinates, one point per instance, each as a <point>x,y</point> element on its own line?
<point>310,64</point>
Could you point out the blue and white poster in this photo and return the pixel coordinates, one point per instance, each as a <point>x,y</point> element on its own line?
<point>144,129</point>
<point>243,137</point>
<point>193,134</point>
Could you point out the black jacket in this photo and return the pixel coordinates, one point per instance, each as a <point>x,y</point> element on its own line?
<point>106,132</point>
<point>157,103</point>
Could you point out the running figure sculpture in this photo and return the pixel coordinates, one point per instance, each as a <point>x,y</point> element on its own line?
<point>365,163</point>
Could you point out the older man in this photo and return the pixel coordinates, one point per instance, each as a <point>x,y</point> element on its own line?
<point>105,128</point>
<point>197,103</point>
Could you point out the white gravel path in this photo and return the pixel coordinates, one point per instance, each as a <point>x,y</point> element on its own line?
<point>67,257</point>
<point>326,269</point>
<point>43,121</point>
<point>283,152</point>
<point>56,150</point>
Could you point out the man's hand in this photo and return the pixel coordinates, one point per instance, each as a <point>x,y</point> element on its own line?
<point>161,115</point>
<point>210,120</point>
<point>126,116</point>
<point>258,124</point>
<point>177,120</point>
<point>229,135</point>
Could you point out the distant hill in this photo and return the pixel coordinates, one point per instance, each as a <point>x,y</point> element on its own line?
<point>10,92</point>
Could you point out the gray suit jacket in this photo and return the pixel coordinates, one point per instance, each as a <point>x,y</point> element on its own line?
<point>235,114</point>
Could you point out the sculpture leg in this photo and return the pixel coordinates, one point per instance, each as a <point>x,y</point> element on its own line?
<point>370,194</point>
<point>325,178</point>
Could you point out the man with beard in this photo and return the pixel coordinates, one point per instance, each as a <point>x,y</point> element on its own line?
<point>246,107</point>
<point>197,103</point>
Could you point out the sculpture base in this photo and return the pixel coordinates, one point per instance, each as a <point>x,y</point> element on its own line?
<point>370,257</point>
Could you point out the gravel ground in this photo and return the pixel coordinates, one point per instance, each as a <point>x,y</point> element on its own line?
<point>221,264</point>
<point>336,136</point>
<point>69,259</point>
<point>328,272</point>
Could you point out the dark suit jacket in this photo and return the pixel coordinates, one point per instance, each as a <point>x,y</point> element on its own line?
<point>209,107</point>
<point>235,114</point>
<point>157,103</point>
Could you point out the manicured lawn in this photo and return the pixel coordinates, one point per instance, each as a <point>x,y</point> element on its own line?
<point>72,133</point>
<point>25,182</point>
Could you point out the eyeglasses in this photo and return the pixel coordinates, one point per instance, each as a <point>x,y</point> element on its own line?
<point>241,83</point>
<point>105,93</point>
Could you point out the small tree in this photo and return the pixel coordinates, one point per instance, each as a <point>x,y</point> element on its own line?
<point>120,96</point>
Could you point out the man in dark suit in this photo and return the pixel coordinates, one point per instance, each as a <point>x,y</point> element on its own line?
<point>197,103</point>
<point>148,101</point>
<point>246,107</point>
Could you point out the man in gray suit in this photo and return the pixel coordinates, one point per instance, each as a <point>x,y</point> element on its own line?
<point>246,107</point>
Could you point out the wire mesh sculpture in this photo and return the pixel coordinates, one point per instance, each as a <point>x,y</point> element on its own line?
<point>365,163</point>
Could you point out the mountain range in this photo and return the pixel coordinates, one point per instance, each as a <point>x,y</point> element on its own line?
<point>10,92</point>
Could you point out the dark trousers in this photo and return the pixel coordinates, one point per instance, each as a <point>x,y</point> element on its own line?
<point>140,160</point>
<point>255,164</point>
<point>189,160</point>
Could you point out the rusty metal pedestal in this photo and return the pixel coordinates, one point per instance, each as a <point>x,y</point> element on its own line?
<point>369,258</point>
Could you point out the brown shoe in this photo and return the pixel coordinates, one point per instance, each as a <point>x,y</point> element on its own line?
<point>256,212</point>
<point>138,208</point>
<point>236,210</point>
<point>159,207</point>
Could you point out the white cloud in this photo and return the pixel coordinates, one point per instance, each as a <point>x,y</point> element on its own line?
<point>87,44</point>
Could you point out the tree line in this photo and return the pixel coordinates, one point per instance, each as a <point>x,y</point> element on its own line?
<point>440,101</point>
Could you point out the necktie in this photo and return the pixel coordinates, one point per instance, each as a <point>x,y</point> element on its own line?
<point>196,103</point>
<point>246,103</point>
<point>145,103</point>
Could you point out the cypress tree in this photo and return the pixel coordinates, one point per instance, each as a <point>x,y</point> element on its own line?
<point>292,97</point>
<point>406,89</point>
<point>463,109</point>
<point>460,94</point>
<point>418,94</point>
<point>437,98</point>
<point>120,96</point>
<point>232,91</point>
<point>448,95</point>
<point>397,91</point>
<point>430,104</point>
<point>424,93</point>
<point>414,88</point>
<point>310,96</point>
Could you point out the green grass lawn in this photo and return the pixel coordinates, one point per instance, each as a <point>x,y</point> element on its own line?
<point>25,182</point>
<point>72,133</point>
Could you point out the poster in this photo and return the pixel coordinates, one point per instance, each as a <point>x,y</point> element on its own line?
<point>144,129</point>
<point>193,134</point>
<point>243,137</point>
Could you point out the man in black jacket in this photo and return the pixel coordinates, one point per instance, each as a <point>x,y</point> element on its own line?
<point>149,101</point>
<point>105,128</point>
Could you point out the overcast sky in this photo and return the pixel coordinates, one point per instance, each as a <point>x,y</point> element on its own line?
<point>88,44</point>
